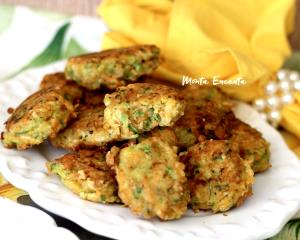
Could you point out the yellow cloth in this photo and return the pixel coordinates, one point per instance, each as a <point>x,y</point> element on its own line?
<point>291,116</point>
<point>230,39</point>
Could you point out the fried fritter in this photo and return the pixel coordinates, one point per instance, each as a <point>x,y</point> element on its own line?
<point>70,90</point>
<point>86,174</point>
<point>208,120</point>
<point>196,95</point>
<point>252,145</point>
<point>151,180</point>
<point>84,131</point>
<point>207,115</point>
<point>166,134</point>
<point>112,68</point>
<point>219,179</point>
<point>41,115</point>
<point>141,107</point>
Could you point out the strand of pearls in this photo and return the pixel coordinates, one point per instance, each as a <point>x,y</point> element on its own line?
<point>278,94</point>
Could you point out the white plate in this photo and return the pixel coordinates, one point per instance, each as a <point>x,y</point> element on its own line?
<point>31,223</point>
<point>275,200</point>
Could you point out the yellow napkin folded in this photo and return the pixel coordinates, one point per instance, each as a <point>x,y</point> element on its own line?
<point>207,38</point>
<point>291,116</point>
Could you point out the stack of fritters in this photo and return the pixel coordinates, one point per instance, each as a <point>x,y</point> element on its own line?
<point>155,148</point>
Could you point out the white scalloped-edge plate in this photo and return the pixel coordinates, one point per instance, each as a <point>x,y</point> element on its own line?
<point>275,200</point>
<point>23,222</point>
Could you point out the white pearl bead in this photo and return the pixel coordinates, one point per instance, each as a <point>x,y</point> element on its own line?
<point>296,85</point>
<point>259,104</point>
<point>284,85</point>
<point>273,102</point>
<point>274,117</point>
<point>282,74</point>
<point>287,98</point>
<point>271,88</point>
<point>294,76</point>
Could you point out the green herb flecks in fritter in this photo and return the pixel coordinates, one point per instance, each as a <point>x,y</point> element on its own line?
<point>207,115</point>
<point>70,90</point>
<point>218,178</point>
<point>84,131</point>
<point>86,174</point>
<point>165,134</point>
<point>140,107</point>
<point>40,116</point>
<point>151,179</point>
<point>252,145</point>
<point>112,68</point>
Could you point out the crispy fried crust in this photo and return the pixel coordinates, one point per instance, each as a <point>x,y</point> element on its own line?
<point>69,89</point>
<point>86,174</point>
<point>84,131</point>
<point>208,120</point>
<point>165,134</point>
<point>112,68</point>
<point>207,115</point>
<point>196,95</point>
<point>252,145</point>
<point>151,179</point>
<point>218,177</point>
<point>141,107</point>
<point>40,116</point>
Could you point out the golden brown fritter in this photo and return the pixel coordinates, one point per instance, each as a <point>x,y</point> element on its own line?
<point>86,174</point>
<point>112,68</point>
<point>151,179</point>
<point>252,145</point>
<point>166,134</point>
<point>195,95</point>
<point>207,115</point>
<point>41,115</point>
<point>141,107</point>
<point>219,179</point>
<point>69,90</point>
<point>208,120</point>
<point>84,131</point>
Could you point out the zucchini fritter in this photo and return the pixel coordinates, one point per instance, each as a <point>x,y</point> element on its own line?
<point>218,177</point>
<point>207,116</point>
<point>166,134</point>
<point>141,107</point>
<point>208,120</point>
<point>112,68</point>
<point>151,180</point>
<point>86,174</point>
<point>70,90</point>
<point>252,145</point>
<point>41,115</point>
<point>84,131</point>
<point>196,95</point>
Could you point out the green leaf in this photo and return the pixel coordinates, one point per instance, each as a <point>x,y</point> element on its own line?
<point>73,49</point>
<point>52,53</point>
<point>291,231</point>
<point>293,62</point>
